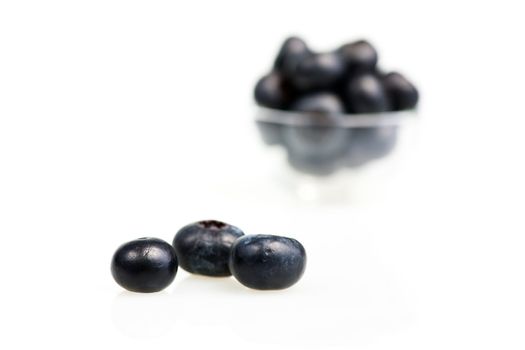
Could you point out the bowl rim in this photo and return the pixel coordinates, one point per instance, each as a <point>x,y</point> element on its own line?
<point>293,118</point>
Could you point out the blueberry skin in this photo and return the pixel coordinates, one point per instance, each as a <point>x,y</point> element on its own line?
<point>359,56</point>
<point>271,91</point>
<point>292,51</point>
<point>318,71</point>
<point>144,265</point>
<point>267,262</point>
<point>403,94</point>
<point>204,247</point>
<point>321,102</point>
<point>365,94</point>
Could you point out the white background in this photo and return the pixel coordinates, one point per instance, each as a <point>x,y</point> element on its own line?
<point>120,119</point>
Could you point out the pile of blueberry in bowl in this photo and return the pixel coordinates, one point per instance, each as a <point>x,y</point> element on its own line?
<point>333,109</point>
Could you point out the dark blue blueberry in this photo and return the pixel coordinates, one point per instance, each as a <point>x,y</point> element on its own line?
<point>359,56</point>
<point>365,94</point>
<point>318,71</point>
<point>316,145</point>
<point>272,92</point>
<point>204,247</point>
<point>320,102</point>
<point>267,262</point>
<point>144,265</point>
<point>291,53</point>
<point>403,94</point>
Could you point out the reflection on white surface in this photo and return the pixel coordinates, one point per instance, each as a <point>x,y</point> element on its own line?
<point>139,315</point>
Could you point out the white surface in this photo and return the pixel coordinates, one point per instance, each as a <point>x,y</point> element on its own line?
<point>120,119</point>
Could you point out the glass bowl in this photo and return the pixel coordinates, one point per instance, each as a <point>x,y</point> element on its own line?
<point>323,144</point>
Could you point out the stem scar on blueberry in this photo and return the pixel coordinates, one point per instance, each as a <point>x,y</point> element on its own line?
<point>212,224</point>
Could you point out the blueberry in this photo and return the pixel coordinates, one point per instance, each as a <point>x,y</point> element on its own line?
<point>402,93</point>
<point>321,102</point>
<point>204,247</point>
<point>291,53</point>
<point>267,262</point>
<point>271,91</point>
<point>144,265</point>
<point>359,56</point>
<point>365,94</point>
<point>316,146</point>
<point>318,71</point>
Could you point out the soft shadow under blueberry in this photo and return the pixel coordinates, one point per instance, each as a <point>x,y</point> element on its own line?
<point>196,285</point>
<point>142,315</point>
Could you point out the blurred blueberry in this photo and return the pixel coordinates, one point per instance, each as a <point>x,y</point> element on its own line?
<point>365,94</point>
<point>320,102</point>
<point>291,53</point>
<point>316,145</point>
<point>271,91</point>
<point>403,94</point>
<point>318,71</point>
<point>359,56</point>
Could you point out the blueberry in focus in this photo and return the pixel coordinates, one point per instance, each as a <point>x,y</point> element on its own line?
<point>144,265</point>
<point>271,91</point>
<point>359,56</point>
<point>267,262</point>
<point>403,94</point>
<point>365,94</point>
<point>318,71</point>
<point>291,53</point>
<point>204,247</point>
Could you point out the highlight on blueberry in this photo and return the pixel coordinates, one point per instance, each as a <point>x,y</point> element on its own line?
<point>204,247</point>
<point>271,91</point>
<point>292,51</point>
<point>359,56</point>
<point>267,262</point>
<point>366,94</point>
